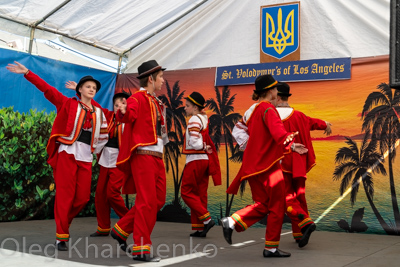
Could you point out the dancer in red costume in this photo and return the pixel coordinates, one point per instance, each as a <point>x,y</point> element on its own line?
<point>261,168</point>
<point>141,155</point>
<point>201,162</point>
<point>295,166</point>
<point>111,179</point>
<point>79,130</point>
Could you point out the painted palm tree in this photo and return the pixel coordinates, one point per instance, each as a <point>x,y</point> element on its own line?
<point>237,156</point>
<point>173,100</point>
<point>172,152</point>
<point>353,163</point>
<point>379,114</point>
<point>176,124</point>
<point>221,125</point>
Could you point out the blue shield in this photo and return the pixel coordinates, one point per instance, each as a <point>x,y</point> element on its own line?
<point>280,30</point>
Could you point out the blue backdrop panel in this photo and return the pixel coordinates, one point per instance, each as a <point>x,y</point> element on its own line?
<point>18,92</point>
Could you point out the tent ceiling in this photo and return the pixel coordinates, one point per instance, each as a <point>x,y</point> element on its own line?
<point>188,34</point>
<point>114,26</point>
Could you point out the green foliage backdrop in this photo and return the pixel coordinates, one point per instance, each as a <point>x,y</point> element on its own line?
<point>27,185</point>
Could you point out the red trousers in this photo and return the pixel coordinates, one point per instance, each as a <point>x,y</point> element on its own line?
<point>194,192</point>
<point>268,192</point>
<point>108,195</point>
<point>148,173</point>
<point>294,209</point>
<point>73,179</point>
<point>299,186</point>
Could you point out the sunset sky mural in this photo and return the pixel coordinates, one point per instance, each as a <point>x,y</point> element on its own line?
<point>338,101</point>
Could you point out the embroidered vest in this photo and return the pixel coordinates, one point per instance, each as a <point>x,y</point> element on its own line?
<point>79,121</point>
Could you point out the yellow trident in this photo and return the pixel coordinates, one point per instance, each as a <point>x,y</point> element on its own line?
<point>279,38</point>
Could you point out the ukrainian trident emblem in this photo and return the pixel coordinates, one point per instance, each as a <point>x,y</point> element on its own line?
<point>280,30</point>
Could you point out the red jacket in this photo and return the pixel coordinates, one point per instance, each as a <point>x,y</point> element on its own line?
<point>265,144</point>
<point>295,163</point>
<point>140,126</point>
<point>66,112</point>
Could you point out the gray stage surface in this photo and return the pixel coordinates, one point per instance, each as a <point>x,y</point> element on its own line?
<point>31,243</point>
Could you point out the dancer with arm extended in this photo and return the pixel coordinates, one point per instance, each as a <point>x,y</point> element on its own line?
<point>261,168</point>
<point>295,167</point>
<point>79,131</point>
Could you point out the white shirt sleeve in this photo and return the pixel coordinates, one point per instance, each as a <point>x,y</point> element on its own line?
<point>241,135</point>
<point>193,129</point>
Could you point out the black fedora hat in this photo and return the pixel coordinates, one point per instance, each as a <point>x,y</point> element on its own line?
<point>264,82</point>
<point>121,94</point>
<point>283,89</point>
<point>147,68</point>
<point>85,79</point>
<point>197,99</point>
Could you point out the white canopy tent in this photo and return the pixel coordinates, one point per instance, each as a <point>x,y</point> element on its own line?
<point>187,34</point>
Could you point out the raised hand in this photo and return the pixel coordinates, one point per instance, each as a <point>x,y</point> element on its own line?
<point>17,68</point>
<point>290,137</point>
<point>328,129</point>
<point>121,106</point>
<point>70,85</point>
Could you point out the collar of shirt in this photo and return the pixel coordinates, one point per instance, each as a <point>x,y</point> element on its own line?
<point>142,89</point>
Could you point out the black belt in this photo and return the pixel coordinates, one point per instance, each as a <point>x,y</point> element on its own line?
<point>85,137</point>
<point>113,142</point>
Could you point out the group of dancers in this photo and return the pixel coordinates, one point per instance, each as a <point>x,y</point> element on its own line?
<point>129,142</point>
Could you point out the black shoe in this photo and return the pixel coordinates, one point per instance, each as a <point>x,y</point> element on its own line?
<point>197,234</point>
<point>207,228</point>
<point>297,240</point>
<point>62,246</point>
<point>277,254</point>
<point>96,234</point>
<point>122,243</point>
<point>146,257</point>
<point>227,231</point>
<point>306,231</point>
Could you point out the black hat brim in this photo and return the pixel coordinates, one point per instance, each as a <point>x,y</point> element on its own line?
<point>196,104</point>
<point>149,72</point>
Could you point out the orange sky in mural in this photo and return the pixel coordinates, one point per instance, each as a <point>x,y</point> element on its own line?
<point>339,102</point>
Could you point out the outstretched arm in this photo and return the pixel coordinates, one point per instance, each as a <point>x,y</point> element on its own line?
<point>317,124</point>
<point>51,93</point>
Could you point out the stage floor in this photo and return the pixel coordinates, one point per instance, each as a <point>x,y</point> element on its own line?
<point>31,243</point>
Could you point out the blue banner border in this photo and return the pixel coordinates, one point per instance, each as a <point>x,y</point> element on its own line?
<point>290,71</point>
